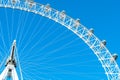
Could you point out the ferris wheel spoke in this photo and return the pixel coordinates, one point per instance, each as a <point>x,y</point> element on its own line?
<point>4,59</point>
<point>38,42</point>
<point>4,48</point>
<point>55,50</point>
<point>32,72</point>
<point>60,48</point>
<point>45,36</point>
<point>32,36</point>
<point>23,27</point>
<point>44,62</point>
<point>35,28</point>
<point>69,64</point>
<point>75,53</point>
<point>2,36</point>
<point>53,40</point>
<point>19,64</point>
<point>26,33</point>
<point>12,23</point>
<point>55,71</point>
<point>26,76</point>
<point>20,19</point>
<point>6,16</point>
<point>19,28</point>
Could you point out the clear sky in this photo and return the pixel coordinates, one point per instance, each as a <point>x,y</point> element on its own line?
<point>102,15</point>
<point>49,51</point>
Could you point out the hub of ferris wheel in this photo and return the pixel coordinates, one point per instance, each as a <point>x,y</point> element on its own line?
<point>10,66</point>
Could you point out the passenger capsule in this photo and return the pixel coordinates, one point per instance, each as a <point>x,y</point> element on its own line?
<point>103,43</point>
<point>91,31</point>
<point>62,14</point>
<point>77,23</point>
<point>115,56</point>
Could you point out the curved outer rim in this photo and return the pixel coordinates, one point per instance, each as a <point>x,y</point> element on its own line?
<point>104,56</point>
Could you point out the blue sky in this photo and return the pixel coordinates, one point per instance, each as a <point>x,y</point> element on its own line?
<point>102,15</point>
<point>49,51</point>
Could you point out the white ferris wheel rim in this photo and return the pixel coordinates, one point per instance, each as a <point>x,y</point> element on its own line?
<point>99,49</point>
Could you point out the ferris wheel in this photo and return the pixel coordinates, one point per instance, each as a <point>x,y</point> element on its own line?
<point>18,43</point>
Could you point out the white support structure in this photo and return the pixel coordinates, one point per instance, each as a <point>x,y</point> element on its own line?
<point>10,69</point>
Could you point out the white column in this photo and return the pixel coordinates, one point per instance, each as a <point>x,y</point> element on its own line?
<point>12,74</point>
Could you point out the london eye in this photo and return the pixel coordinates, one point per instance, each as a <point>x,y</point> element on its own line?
<point>38,42</point>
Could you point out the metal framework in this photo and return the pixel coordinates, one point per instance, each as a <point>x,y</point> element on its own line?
<point>10,71</point>
<point>97,46</point>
